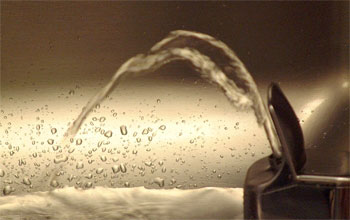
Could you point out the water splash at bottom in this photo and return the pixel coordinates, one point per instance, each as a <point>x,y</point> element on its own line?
<point>125,203</point>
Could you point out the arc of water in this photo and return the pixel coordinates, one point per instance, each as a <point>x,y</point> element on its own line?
<point>181,45</point>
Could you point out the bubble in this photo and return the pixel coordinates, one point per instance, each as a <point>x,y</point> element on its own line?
<point>123,130</point>
<point>50,141</point>
<point>38,127</point>
<point>158,101</point>
<point>79,141</point>
<point>26,181</point>
<point>159,181</point>
<point>71,92</point>
<point>102,119</point>
<point>127,184</point>
<point>108,134</point>
<point>115,114</point>
<point>53,130</point>
<point>162,127</point>
<point>80,165</point>
<point>138,140</point>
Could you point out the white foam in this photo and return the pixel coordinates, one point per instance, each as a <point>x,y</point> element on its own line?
<point>125,203</point>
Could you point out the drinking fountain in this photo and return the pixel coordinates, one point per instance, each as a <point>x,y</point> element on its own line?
<point>284,188</point>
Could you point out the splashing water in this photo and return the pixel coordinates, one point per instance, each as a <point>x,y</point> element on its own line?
<point>125,203</point>
<point>211,58</point>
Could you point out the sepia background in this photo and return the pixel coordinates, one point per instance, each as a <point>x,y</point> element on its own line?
<point>56,55</point>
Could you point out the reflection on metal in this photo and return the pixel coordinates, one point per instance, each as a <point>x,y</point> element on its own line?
<point>301,194</point>
<point>324,179</point>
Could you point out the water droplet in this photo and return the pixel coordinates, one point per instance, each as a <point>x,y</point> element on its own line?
<point>54,183</point>
<point>172,181</point>
<point>71,92</point>
<point>163,169</point>
<point>158,101</point>
<point>70,178</point>
<point>26,181</point>
<point>108,134</point>
<point>148,163</point>
<point>115,169</point>
<point>80,165</point>
<point>58,160</point>
<point>79,141</point>
<point>138,140</point>
<point>53,130</point>
<point>50,141</point>
<point>127,184</point>
<point>102,119</point>
<point>150,138</point>
<point>115,114</point>
<point>88,185</point>
<point>162,127</point>
<point>55,147</point>
<point>103,158</point>
<point>99,170</point>
<point>38,127</point>
<point>122,168</point>
<point>145,131</point>
<point>159,181</point>
<point>8,189</point>
<point>2,173</point>
<point>123,130</point>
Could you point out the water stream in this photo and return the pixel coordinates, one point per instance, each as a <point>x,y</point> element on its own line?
<point>211,58</point>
